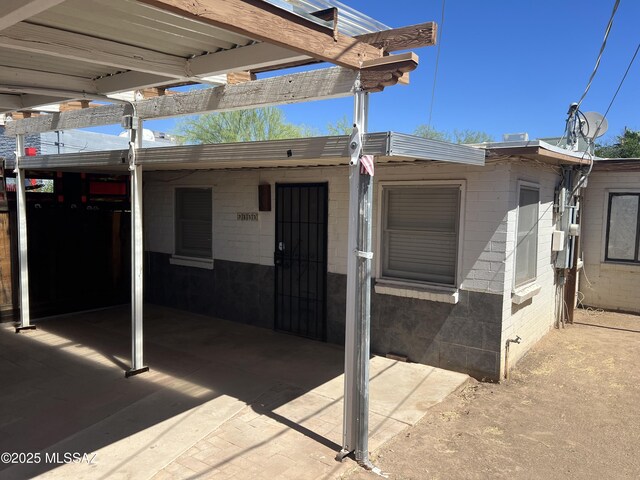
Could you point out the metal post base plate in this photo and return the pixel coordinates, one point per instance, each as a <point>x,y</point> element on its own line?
<point>342,454</point>
<point>28,327</point>
<point>131,372</point>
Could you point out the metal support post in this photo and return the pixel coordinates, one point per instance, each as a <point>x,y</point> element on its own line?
<point>21,201</point>
<point>356,384</point>
<point>137,249</point>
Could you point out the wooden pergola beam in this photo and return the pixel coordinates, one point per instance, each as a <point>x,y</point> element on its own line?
<point>393,40</point>
<point>300,87</point>
<point>14,11</point>
<point>386,71</point>
<point>265,22</point>
<point>404,38</point>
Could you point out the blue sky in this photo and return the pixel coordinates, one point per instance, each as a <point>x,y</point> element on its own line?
<point>505,66</point>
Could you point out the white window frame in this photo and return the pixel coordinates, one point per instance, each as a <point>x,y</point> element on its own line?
<point>413,288</point>
<point>188,261</point>
<point>605,223</point>
<point>530,285</point>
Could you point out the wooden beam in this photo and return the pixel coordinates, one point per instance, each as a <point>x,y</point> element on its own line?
<point>265,22</point>
<point>329,15</point>
<point>14,11</point>
<point>294,88</point>
<point>422,35</point>
<point>20,80</point>
<point>387,71</point>
<point>25,37</point>
<point>77,105</point>
<point>233,78</point>
<point>23,114</point>
<point>405,38</point>
<point>404,62</point>
<point>155,92</point>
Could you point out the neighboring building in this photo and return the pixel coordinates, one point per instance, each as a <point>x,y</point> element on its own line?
<point>611,236</point>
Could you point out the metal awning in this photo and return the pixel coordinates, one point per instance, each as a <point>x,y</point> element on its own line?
<point>387,147</point>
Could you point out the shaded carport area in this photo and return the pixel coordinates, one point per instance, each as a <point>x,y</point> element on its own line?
<point>222,399</point>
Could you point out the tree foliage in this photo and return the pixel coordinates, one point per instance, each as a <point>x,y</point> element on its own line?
<point>457,136</point>
<point>626,145</point>
<point>341,127</point>
<point>240,126</point>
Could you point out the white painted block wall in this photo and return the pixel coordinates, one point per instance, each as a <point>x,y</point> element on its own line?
<point>613,286</point>
<point>485,229</point>
<point>530,320</point>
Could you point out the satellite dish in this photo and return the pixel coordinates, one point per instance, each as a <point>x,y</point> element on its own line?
<point>593,125</point>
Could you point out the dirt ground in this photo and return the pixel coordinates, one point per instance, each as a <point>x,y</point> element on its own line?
<point>570,410</point>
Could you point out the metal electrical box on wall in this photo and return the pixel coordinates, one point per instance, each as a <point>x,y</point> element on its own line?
<point>557,241</point>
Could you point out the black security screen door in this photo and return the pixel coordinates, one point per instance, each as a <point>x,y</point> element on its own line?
<point>301,259</point>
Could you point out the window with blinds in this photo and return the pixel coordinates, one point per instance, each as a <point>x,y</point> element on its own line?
<point>420,233</point>
<point>527,241</point>
<point>193,215</point>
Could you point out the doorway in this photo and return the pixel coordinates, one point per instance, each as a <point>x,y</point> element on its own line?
<point>301,259</point>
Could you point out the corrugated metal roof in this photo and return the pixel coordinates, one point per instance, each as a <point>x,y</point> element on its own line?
<point>140,25</point>
<point>46,63</point>
<point>350,21</point>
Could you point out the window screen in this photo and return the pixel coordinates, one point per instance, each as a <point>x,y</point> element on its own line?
<point>527,241</point>
<point>622,227</point>
<point>193,213</point>
<point>420,233</point>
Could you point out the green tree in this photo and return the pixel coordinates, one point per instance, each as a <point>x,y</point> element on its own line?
<point>457,136</point>
<point>626,145</point>
<point>240,126</point>
<point>341,127</point>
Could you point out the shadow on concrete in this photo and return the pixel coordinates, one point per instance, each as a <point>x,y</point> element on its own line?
<point>68,375</point>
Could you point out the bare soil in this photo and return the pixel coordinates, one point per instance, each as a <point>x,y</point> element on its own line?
<point>570,410</point>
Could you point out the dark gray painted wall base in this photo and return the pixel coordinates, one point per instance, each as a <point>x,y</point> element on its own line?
<point>464,337</point>
<point>241,292</point>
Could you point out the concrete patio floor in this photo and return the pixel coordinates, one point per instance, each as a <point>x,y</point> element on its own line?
<point>222,400</point>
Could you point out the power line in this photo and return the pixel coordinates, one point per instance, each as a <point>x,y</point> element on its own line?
<point>626,72</point>
<point>602,47</point>
<point>620,85</point>
<point>435,73</point>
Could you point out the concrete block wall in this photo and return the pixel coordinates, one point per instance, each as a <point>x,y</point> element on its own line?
<point>237,192</point>
<point>8,144</point>
<point>484,236</point>
<point>608,285</point>
<point>532,319</point>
